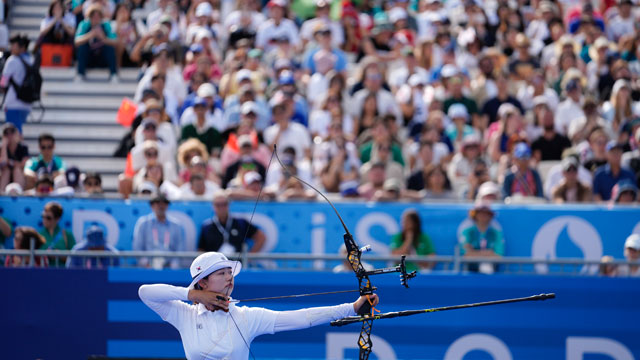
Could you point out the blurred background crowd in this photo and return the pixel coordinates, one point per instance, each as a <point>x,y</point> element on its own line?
<point>416,100</point>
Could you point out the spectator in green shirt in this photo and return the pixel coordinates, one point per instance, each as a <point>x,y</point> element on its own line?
<point>202,130</point>
<point>483,238</point>
<point>95,43</point>
<point>56,237</point>
<point>412,241</point>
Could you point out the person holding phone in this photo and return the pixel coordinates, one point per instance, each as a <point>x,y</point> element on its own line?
<point>13,157</point>
<point>95,43</point>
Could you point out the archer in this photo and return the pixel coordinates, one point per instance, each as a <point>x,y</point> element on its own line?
<point>206,326</point>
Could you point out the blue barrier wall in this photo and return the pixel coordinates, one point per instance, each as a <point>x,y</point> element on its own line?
<point>545,231</point>
<point>69,314</point>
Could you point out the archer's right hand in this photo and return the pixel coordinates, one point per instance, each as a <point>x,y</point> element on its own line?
<point>211,300</point>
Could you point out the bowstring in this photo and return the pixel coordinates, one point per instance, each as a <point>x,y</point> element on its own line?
<point>354,263</point>
<point>246,233</point>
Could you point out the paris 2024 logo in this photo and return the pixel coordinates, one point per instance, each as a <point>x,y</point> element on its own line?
<point>580,233</point>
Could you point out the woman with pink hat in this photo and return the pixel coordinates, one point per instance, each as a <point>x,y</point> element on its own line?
<point>213,327</point>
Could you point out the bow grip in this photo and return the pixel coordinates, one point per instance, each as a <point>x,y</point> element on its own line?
<point>365,309</point>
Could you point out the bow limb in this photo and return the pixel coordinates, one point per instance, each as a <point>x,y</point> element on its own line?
<point>353,257</point>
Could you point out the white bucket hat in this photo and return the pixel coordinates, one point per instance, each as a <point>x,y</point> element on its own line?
<point>209,262</point>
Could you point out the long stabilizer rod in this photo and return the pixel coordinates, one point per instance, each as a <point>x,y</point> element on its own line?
<point>355,319</point>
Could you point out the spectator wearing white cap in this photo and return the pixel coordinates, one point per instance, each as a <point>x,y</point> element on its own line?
<point>536,92</point>
<point>463,161</point>
<point>632,255</point>
<point>489,192</point>
<point>247,185</point>
<point>459,128</point>
<point>276,26</point>
<point>245,160</point>
<point>203,19</point>
<point>325,56</point>
<point>307,30</point>
<point>409,67</point>
<point>163,62</point>
<point>212,282</point>
<point>213,114</point>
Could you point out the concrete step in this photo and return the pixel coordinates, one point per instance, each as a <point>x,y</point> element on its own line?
<point>32,33</point>
<point>21,10</point>
<point>71,148</point>
<point>80,104</point>
<point>26,22</point>
<point>67,117</point>
<point>109,183</point>
<point>100,165</point>
<point>83,89</point>
<point>33,2</point>
<point>75,132</point>
<point>69,73</point>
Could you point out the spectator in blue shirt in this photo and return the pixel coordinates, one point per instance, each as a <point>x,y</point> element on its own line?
<point>158,232</point>
<point>608,175</point>
<point>322,35</point>
<point>94,241</point>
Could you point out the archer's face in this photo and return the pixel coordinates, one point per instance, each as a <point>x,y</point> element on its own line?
<point>220,281</point>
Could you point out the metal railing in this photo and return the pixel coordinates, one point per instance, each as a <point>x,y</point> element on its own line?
<point>326,262</point>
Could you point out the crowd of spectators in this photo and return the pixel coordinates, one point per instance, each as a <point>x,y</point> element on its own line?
<point>384,101</point>
<point>421,100</point>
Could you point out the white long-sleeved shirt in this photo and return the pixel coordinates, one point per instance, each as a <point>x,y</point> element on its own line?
<point>213,335</point>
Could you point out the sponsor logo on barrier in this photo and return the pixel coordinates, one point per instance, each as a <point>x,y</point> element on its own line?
<point>578,231</point>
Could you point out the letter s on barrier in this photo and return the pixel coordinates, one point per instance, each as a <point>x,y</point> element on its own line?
<point>370,220</point>
<point>578,346</point>
<point>485,342</point>
<point>337,342</point>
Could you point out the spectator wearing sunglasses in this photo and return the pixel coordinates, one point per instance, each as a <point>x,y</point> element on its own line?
<point>43,187</point>
<point>92,184</point>
<point>13,157</point>
<point>46,163</point>
<point>56,237</point>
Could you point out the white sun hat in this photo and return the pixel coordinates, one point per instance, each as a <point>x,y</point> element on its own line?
<point>209,262</point>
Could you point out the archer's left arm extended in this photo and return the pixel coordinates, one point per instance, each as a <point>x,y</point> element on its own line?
<point>306,318</point>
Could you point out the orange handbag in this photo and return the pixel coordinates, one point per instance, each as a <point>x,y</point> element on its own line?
<point>56,54</point>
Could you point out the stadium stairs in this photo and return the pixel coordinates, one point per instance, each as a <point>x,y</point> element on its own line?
<point>80,115</point>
